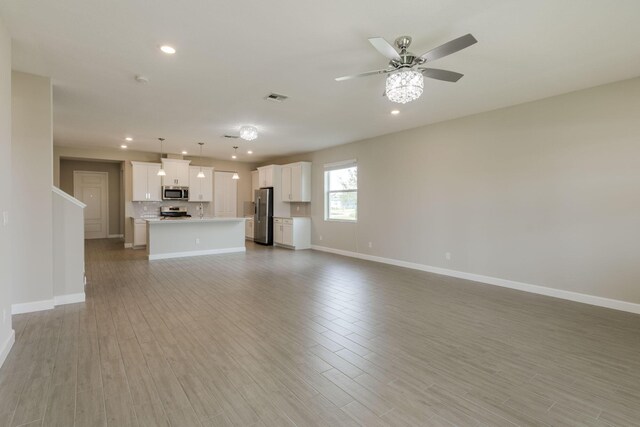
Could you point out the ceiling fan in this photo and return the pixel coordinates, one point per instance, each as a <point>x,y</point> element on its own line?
<point>405,71</point>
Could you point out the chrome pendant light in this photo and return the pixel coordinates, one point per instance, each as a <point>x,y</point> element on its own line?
<point>201,174</point>
<point>161,172</point>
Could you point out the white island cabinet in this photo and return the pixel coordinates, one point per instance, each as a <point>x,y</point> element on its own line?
<point>177,238</point>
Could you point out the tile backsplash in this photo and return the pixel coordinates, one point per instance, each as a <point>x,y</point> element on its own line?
<point>137,209</point>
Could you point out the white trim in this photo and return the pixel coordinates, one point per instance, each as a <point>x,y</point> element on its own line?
<point>68,197</point>
<point>505,283</point>
<point>68,299</point>
<point>6,347</point>
<point>128,245</point>
<point>114,236</point>
<point>29,307</point>
<point>196,253</point>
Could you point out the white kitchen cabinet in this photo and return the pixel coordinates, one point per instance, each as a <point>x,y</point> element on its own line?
<point>294,233</point>
<point>147,185</point>
<point>139,232</point>
<point>177,172</point>
<point>296,182</point>
<point>248,229</point>
<point>200,189</point>
<point>266,175</point>
<point>255,183</point>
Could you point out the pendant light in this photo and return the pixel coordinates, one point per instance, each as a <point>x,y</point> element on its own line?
<point>200,174</point>
<point>161,172</point>
<point>235,176</point>
<point>235,152</point>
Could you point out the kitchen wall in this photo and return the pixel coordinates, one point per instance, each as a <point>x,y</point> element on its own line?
<point>116,195</point>
<point>545,193</point>
<point>132,209</point>
<point>6,332</point>
<point>32,169</point>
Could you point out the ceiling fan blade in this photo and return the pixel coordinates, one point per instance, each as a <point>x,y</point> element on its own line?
<point>447,76</point>
<point>450,47</point>
<point>368,73</point>
<point>384,48</point>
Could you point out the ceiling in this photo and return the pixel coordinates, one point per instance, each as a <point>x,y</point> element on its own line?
<point>230,55</point>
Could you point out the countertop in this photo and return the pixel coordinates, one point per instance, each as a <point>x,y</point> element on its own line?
<point>190,220</point>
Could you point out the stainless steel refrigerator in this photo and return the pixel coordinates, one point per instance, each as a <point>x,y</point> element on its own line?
<point>263,219</point>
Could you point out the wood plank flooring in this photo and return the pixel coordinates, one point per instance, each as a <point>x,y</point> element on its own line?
<point>281,338</point>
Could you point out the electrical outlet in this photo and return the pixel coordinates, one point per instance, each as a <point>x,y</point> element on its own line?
<point>197,241</point>
<point>447,255</point>
<point>144,208</point>
<point>297,208</point>
<point>4,316</point>
<point>321,237</point>
<point>370,244</point>
<point>5,218</point>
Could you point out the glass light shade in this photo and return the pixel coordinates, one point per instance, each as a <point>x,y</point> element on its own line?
<point>404,86</point>
<point>235,176</point>
<point>248,133</point>
<point>201,175</point>
<point>161,172</point>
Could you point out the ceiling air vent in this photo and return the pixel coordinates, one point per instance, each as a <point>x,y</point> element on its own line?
<point>231,136</point>
<point>275,97</point>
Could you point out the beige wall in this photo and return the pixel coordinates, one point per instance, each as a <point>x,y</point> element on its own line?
<point>545,193</point>
<point>126,156</point>
<point>5,188</point>
<point>116,198</point>
<point>68,246</point>
<point>32,168</point>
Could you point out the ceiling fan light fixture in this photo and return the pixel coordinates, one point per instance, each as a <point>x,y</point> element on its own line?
<point>248,133</point>
<point>404,86</point>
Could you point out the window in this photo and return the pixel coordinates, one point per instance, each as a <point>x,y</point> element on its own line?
<point>341,191</point>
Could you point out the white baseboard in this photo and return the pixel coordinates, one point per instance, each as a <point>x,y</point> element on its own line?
<point>68,299</point>
<point>505,283</point>
<point>30,307</point>
<point>128,245</point>
<point>114,236</point>
<point>196,253</point>
<point>5,348</point>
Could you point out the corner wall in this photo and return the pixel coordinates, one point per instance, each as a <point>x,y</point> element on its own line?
<point>32,166</point>
<point>545,193</point>
<point>6,204</point>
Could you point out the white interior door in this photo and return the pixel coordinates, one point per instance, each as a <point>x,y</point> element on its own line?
<point>225,193</point>
<point>91,188</point>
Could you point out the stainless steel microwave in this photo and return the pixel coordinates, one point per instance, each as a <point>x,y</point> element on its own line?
<point>175,193</point>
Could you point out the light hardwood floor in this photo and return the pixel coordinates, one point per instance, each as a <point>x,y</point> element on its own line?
<point>281,338</point>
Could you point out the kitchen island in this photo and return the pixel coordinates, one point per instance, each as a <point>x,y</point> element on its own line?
<point>176,238</point>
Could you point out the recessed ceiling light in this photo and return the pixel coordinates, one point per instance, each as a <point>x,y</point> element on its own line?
<point>167,49</point>
<point>184,152</point>
<point>129,138</point>
<point>395,112</point>
<point>123,146</point>
<point>249,152</point>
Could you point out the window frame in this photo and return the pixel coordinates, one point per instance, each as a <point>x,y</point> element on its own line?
<point>328,168</point>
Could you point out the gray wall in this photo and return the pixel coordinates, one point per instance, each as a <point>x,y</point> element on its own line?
<point>545,193</point>
<point>116,198</point>
<point>32,166</point>
<point>5,188</point>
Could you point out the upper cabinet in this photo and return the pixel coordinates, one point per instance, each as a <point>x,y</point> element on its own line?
<point>266,175</point>
<point>200,189</point>
<point>177,172</point>
<point>296,182</point>
<point>146,182</point>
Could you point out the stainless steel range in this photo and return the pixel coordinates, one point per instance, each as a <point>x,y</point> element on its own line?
<point>174,212</point>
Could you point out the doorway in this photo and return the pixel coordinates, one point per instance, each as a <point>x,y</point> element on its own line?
<point>92,189</point>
